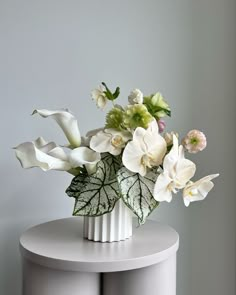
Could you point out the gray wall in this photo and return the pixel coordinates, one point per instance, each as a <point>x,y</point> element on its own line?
<point>214,84</point>
<point>53,53</point>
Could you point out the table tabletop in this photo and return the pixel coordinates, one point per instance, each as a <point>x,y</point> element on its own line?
<point>59,244</point>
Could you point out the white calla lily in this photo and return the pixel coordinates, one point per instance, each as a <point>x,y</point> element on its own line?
<point>197,191</point>
<point>66,121</point>
<point>110,140</point>
<point>177,171</point>
<point>84,156</point>
<point>42,154</point>
<point>146,150</point>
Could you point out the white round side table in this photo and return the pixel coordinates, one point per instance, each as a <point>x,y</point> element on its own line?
<point>57,260</point>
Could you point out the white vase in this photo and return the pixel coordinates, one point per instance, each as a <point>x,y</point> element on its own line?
<point>110,227</point>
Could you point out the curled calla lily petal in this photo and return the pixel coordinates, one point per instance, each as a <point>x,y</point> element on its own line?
<point>197,191</point>
<point>82,156</point>
<point>177,171</point>
<point>110,140</point>
<point>58,153</point>
<point>146,150</point>
<point>66,121</point>
<point>42,154</point>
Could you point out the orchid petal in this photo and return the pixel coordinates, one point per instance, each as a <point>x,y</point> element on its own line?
<point>100,142</point>
<point>177,171</point>
<point>156,145</point>
<point>146,150</point>
<point>132,158</point>
<point>109,140</point>
<point>153,126</point>
<point>93,132</point>
<point>83,155</point>
<point>161,191</point>
<point>126,135</point>
<point>115,151</point>
<point>185,170</point>
<point>138,139</point>
<point>198,190</point>
<point>66,121</point>
<point>171,158</point>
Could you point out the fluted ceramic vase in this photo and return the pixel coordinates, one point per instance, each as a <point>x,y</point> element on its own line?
<point>111,227</point>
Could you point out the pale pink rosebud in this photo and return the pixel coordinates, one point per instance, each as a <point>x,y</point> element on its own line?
<point>161,125</point>
<point>195,141</point>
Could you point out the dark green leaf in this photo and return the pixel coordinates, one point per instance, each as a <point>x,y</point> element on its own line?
<point>116,93</point>
<point>109,94</point>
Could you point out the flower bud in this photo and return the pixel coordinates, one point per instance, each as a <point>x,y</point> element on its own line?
<point>135,97</point>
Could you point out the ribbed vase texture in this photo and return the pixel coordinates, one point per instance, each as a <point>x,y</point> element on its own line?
<point>110,227</point>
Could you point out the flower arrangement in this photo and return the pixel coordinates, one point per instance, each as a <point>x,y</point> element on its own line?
<point>129,158</point>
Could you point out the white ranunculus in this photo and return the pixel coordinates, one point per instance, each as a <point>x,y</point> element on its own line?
<point>146,150</point>
<point>110,140</point>
<point>197,191</point>
<point>100,97</point>
<point>177,171</point>
<point>84,156</point>
<point>42,154</point>
<point>66,121</point>
<point>135,97</point>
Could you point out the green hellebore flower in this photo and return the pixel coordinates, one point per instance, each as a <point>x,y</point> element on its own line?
<point>157,106</point>
<point>137,115</point>
<point>114,118</point>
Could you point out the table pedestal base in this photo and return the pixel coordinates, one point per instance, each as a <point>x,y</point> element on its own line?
<point>40,280</point>
<point>158,279</point>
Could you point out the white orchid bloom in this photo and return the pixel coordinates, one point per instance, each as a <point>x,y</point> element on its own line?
<point>135,97</point>
<point>100,97</point>
<point>42,154</point>
<point>177,171</point>
<point>197,191</point>
<point>66,121</point>
<point>110,140</point>
<point>146,150</point>
<point>93,132</point>
<point>85,140</point>
<point>84,156</point>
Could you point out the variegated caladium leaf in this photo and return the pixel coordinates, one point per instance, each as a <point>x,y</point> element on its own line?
<point>96,194</point>
<point>114,162</point>
<point>136,192</point>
